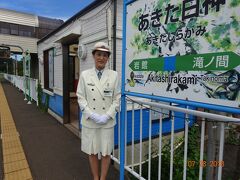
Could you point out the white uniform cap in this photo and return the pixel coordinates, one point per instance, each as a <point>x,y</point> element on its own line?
<point>101,46</point>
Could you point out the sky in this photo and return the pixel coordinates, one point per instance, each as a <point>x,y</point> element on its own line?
<point>59,9</point>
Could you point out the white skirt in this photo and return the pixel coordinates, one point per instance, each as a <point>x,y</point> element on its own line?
<point>97,140</point>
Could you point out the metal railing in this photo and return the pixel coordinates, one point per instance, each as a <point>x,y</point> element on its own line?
<point>149,124</point>
<point>27,85</point>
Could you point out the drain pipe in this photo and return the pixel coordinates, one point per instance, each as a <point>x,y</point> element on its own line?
<point>114,33</point>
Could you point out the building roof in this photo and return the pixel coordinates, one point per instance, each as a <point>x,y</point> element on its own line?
<point>28,19</point>
<point>84,11</point>
<point>14,11</point>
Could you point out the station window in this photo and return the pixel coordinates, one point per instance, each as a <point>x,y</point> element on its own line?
<point>49,69</point>
<point>30,31</point>
<point>4,28</point>
<point>26,31</point>
<point>14,29</point>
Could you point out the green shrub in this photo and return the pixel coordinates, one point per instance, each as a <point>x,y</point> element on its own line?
<point>43,99</point>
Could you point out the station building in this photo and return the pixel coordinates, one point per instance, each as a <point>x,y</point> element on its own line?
<point>67,51</point>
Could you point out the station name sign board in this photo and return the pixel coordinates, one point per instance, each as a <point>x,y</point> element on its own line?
<point>184,49</point>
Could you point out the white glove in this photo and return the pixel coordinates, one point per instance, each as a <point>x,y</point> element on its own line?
<point>95,117</point>
<point>103,119</point>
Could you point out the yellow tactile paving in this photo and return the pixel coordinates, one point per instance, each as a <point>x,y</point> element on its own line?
<point>6,139</point>
<point>6,119</point>
<point>14,157</point>
<point>7,129</point>
<point>7,125</point>
<point>11,144</point>
<point>19,175</point>
<point>14,160</point>
<point>15,166</point>
<point>13,150</point>
<point>10,134</point>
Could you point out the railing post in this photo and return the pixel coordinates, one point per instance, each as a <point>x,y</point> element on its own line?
<point>160,146</point>
<point>149,144</point>
<point>185,147</point>
<point>220,160</point>
<point>29,90</point>
<point>201,164</point>
<point>172,147</point>
<point>140,158</point>
<point>25,88</point>
<point>133,135</point>
<point>122,137</point>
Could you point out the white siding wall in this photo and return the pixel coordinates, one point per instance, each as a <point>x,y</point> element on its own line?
<point>88,62</point>
<point>94,28</point>
<point>119,57</point>
<point>119,18</point>
<point>24,42</point>
<point>18,18</point>
<point>119,37</point>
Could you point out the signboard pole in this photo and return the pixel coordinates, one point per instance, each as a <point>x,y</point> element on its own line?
<point>123,98</point>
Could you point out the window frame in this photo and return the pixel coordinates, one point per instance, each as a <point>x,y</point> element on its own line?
<point>47,70</point>
<point>14,29</point>
<point>4,28</point>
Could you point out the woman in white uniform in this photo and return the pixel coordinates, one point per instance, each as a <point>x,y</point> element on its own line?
<point>98,97</point>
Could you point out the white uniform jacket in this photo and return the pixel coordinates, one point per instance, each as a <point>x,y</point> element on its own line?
<point>99,96</point>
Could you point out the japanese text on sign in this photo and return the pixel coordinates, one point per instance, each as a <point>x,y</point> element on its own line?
<point>180,34</point>
<point>217,61</point>
<point>189,9</point>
